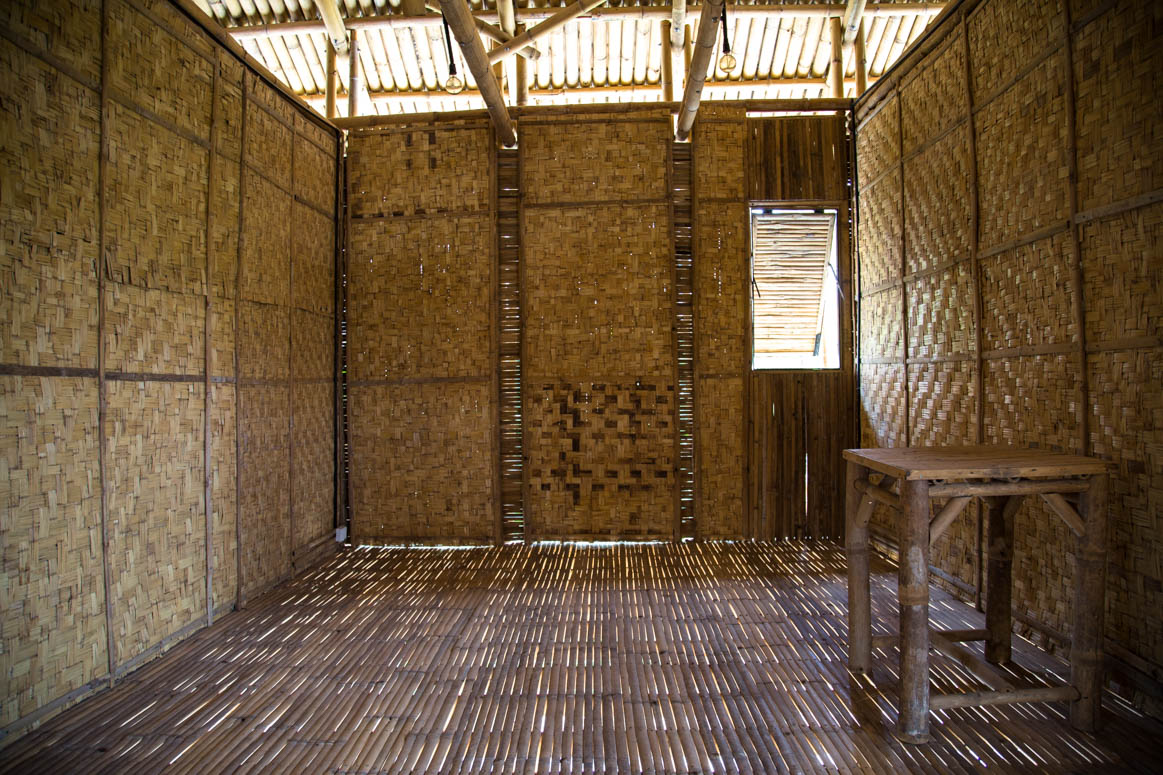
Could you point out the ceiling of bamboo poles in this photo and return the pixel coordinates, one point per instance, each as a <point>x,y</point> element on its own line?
<point>613,54</point>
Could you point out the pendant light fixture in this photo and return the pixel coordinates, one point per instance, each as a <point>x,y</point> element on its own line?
<point>727,62</point>
<point>454,85</point>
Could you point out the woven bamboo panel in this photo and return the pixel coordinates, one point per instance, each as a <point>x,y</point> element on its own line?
<point>879,236</point>
<point>419,297</point>
<point>882,405</point>
<point>154,331</point>
<point>598,291</point>
<point>224,204</point>
<point>1123,276</point>
<point>721,467</point>
<point>230,68</point>
<point>52,606</point>
<point>724,111</point>
<point>264,339</point>
<point>943,404</point>
<point>143,59</point>
<point>1126,393</point>
<point>1026,295</point>
<point>223,492</point>
<point>719,151</point>
<point>1043,567</point>
<point>941,313</point>
<point>1033,401</point>
<point>222,338</point>
<point>155,205</point>
<point>721,266</point>
<point>268,148</point>
<point>425,171</point>
<point>314,175</point>
<point>320,137</point>
<point>265,469</point>
<point>1005,36</point>
<point>882,325</point>
<point>420,464</point>
<point>1119,131</point>
<point>878,143</point>
<point>801,157</point>
<point>933,99</point>
<point>48,210</point>
<point>569,162</point>
<point>312,345</point>
<point>70,30</point>
<point>313,260</point>
<point>266,250</point>
<point>955,552</point>
<point>262,94</point>
<point>157,522</point>
<point>938,222</point>
<point>601,459</point>
<point>1022,156</point>
<point>312,495</point>
<point>228,122</point>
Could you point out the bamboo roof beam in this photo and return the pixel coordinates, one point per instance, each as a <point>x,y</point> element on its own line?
<point>861,61</point>
<point>559,19</point>
<point>853,16</point>
<point>709,19</point>
<point>460,21</point>
<point>498,34</point>
<point>836,69</point>
<point>333,24</point>
<point>677,22</point>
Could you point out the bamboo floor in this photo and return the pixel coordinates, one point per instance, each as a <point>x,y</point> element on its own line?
<point>634,658</point>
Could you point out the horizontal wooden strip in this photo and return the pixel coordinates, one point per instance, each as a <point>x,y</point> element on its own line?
<point>294,197</point>
<point>1032,65</point>
<point>419,381</point>
<point>1117,208</point>
<point>21,370</point>
<point>1022,241</point>
<point>956,358</point>
<point>920,149</point>
<point>127,102</point>
<point>597,203</point>
<point>57,64</point>
<point>1025,352</point>
<point>1129,343</point>
<point>285,382</point>
<point>358,219</point>
<point>920,274</point>
<point>128,376</point>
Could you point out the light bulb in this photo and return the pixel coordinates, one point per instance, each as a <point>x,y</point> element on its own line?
<point>727,62</point>
<point>454,85</point>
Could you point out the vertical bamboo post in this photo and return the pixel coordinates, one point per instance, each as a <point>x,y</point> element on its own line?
<point>999,577</point>
<point>836,71</point>
<point>522,90</point>
<point>859,600</point>
<point>913,723</point>
<point>353,77</point>
<point>861,61</point>
<point>1086,674</point>
<point>208,356</point>
<point>332,80</point>
<point>667,64</point>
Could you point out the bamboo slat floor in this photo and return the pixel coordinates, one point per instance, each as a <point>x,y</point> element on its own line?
<point>643,658</point>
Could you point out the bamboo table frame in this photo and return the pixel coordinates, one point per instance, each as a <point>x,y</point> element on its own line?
<point>1001,477</point>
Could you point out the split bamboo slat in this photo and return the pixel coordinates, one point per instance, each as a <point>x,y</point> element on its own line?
<point>695,657</point>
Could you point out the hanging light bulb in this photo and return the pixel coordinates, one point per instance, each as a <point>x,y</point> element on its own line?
<point>727,62</point>
<point>454,85</point>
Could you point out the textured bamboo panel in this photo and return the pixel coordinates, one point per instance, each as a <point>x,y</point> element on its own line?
<point>312,346</point>
<point>222,336</point>
<point>879,236</point>
<point>1032,401</point>
<point>154,331</point>
<point>938,223</point>
<point>230,69</point>
<point>264,339</point>
<point>227,134</point>
<point>1043,566</point>
<point>224,492</point>
<point>878,143</point>
<point>313,260</point>
<point>805,157</point>
<point>143,58</point>
<point>568,162</point>
<point>69,30</point>
<point>1119,126</point>
<point>48,208</point>
<point>422,171</point>
<point>157,516</point>
<point>266,249</point>
<point>1123,275</point>
<point>314,175</point>
<point>721,267</point>
<point>1026,295</point>
<point>418,299</point>
<point>320,137</point>
<point>312,495</point>
<point>52,605</point>
<point>933,99</point>
<point>1022,156</point>
<point>1005,36</point>
<point>155,205</point>
<point>420,463</point>
<point>224,204</point>
<point>265,469</point>
<point>882,325</point>
<point>262,94</point>
<point>941,313</point>
<point>720,414</point>
<point>943,399</point>
<point>268,148</point>
<point>598,292</point>
<point>601,459</point>
<point>882,405</point>
<point>719,150</point>
<point>1126,394</point>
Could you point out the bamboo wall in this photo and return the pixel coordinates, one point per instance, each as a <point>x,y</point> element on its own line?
<point>1009,177</point>
<point>129,197</point>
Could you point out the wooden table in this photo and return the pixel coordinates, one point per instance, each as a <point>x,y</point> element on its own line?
<point>1001,477</point>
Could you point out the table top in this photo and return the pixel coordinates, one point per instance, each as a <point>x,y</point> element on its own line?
<point>981,462</point>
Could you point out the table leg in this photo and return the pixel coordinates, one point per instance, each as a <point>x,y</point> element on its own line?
<point>1086,674</point>
<point>998,617</point>
<point>856,546</point>
<point>913,723</point>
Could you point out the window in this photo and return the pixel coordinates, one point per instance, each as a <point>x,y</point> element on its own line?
<point>795,310</point>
